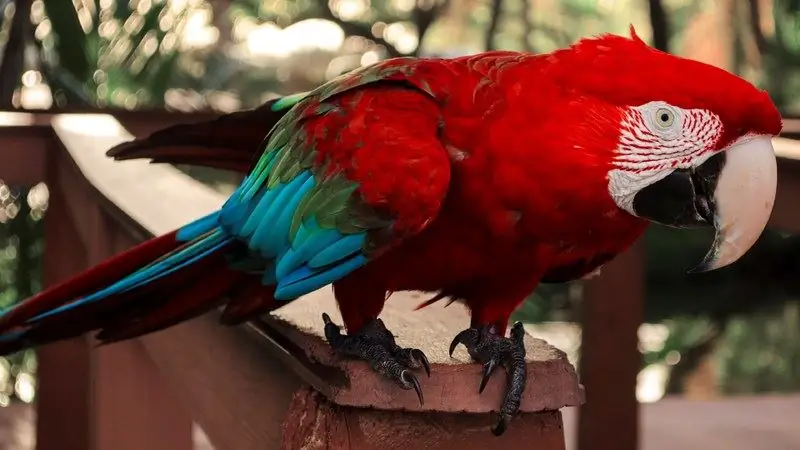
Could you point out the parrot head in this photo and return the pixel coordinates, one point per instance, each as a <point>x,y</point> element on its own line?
<point>693,142</point>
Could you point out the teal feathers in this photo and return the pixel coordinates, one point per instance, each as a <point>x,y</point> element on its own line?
<point>199,248</point>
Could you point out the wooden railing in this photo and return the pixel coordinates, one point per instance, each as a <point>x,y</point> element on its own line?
<point>272,383</point>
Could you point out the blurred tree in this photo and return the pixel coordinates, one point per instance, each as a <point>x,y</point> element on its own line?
<point>660,24</point>
<point>14,51</point>
<point>779,50</point>
<point>494,22</point>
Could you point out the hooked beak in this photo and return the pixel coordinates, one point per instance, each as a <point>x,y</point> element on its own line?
<point>733,190</point>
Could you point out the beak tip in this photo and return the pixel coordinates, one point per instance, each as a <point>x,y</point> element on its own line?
<point>706,265</point>
<point>700,268</point>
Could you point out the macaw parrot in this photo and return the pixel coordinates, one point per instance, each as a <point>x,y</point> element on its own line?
<point>473,178</point>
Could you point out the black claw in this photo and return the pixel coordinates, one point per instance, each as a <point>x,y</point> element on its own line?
<point>502,424</point>
<point>467,337</point>
<point>488,368</point>
<point>375,344</point>
<point>422,359</point>
<point>454,343</point>
<point>412,380</point>
<point>492,349</point>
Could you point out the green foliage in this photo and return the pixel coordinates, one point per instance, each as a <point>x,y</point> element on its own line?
<point>21,246</point>
<point>761,352</point>
<point>115,56</point>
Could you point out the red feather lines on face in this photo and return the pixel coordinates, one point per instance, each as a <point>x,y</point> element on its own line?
<point>642,150</point>
<point>626,72</point>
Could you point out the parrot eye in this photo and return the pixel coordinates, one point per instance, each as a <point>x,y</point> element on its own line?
<point>664,118</point>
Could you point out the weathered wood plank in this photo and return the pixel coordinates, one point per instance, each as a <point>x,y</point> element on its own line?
<point>22,154</point>
<point>453,384</point>
<point>318,424</point>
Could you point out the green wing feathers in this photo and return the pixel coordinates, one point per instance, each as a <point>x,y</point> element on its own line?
<point>303,207</point>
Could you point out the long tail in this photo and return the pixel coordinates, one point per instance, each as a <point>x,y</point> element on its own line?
<point>232,141</point>
<point>157,284</point>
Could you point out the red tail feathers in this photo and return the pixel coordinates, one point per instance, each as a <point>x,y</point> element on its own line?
<point>160,304</point>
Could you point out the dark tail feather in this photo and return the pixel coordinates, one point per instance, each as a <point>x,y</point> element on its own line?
<point>230,142</point>
<point>251,299</point>
<point>187,301</point>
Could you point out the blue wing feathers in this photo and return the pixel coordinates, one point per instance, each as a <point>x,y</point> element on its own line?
<point>257,241</point>
<point>272,236</point>
<point>263,201</point>
<point>314,257</point>
<point>341,249</point>
<point>298,255</point>
<point>305,279</point>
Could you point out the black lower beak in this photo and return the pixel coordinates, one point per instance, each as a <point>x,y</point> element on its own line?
<point>684,198</point>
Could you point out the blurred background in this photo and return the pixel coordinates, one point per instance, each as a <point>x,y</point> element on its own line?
<point>731,332</point>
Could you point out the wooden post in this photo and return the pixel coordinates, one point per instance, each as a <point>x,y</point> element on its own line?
<point>611,312</point>
<point>136,409</point>
<point>454,416</point>
<point>314,423</point>
<point>63,420</point>
<point>110,398</point>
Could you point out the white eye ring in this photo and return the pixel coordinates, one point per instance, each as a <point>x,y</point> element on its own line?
<point>664,118</point>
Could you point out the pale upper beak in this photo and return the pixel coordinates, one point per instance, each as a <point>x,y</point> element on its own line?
<point>733,190</point>
<point>744,196</point>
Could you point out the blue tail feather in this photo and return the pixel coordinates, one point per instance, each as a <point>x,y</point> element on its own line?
<point>198,228</point>
<point>181,258</point>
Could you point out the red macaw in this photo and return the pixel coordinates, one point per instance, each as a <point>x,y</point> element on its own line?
<point>475,178</point>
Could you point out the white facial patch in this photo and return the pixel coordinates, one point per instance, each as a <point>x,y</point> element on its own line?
<point>655,139</point>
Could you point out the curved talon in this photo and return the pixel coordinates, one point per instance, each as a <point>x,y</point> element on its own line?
<point>502,424</point>
<point>488,368</point>
<point>326,318</point>
<point>461,338</point>
<point>411,381</point>
<point>422,359</point>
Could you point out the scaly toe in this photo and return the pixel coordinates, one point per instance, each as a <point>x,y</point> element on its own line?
<point>376,345</point>
<point>486,346</point>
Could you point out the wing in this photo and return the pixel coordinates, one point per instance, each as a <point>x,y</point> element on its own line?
<point>350,171</point>
<point>230,141</point>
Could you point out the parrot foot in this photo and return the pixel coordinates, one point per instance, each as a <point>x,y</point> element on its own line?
<point>485,345</point>
<point>375,344</point>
